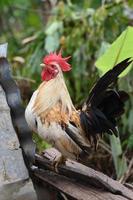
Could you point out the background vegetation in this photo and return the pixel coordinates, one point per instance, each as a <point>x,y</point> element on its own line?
<point>84,30</point>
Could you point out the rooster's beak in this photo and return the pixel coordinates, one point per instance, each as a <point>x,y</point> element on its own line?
<point>42,65</point>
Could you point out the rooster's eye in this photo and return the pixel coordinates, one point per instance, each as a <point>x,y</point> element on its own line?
<point>53,66</point>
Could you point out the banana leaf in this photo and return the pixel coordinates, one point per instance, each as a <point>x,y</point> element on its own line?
<point>120,49</point>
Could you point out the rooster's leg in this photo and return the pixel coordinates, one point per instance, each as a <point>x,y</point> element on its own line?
<point>59,160</point>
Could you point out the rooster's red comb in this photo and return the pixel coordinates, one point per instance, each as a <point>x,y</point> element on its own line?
<point>54,57</point>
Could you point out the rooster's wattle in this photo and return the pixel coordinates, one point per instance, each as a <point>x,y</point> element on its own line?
<point>53,116</point>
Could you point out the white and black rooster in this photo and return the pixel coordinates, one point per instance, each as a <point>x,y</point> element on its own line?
<point>52,115</point>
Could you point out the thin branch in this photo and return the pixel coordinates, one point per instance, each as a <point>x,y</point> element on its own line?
<point>24,79</point>
<point>128,172</point>
<point>33,10</point>
<point>105,146</point>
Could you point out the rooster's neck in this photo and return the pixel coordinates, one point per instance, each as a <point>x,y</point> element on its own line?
<point>52,92</point>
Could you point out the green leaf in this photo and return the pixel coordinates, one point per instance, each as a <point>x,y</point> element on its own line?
<point>121,49</point>
<point>118,157</point>
<point>55,26</point>
<point>52,42</point>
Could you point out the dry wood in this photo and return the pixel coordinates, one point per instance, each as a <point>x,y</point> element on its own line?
<point>73,189</point>
<point>79,176</point>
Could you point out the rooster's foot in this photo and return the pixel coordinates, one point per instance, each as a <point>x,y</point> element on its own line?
<point>58,160</point>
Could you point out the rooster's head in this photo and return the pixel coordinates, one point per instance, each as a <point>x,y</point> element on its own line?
<point>53,64</point>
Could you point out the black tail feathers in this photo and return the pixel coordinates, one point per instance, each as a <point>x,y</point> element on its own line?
<point>104,105</point>
<point>112,105</point>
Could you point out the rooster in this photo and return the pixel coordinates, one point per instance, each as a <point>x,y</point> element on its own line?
<point>52,115</point>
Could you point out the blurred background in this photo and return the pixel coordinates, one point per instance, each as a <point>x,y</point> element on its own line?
<point>83,29</point>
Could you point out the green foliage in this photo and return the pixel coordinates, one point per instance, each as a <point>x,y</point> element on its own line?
<point>118,51</point>
<point>119,159</point>
<point>83,29</point>
<point>41,144</point>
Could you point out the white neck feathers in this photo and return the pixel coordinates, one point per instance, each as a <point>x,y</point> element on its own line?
<point>52,92</point>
